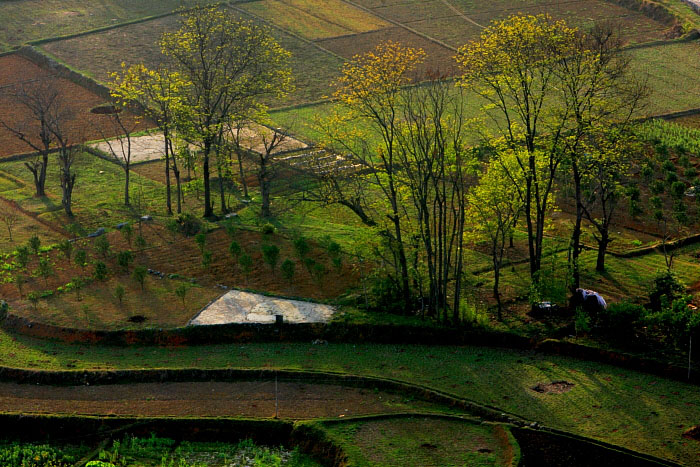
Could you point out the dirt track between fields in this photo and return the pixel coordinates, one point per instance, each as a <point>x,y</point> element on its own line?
<point>204,399</point>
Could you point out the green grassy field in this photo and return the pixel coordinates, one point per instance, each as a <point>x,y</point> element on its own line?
<point>635,410</point>
<point>420,441</point>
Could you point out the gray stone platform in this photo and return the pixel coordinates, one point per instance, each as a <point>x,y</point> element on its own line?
<point>245,307</point>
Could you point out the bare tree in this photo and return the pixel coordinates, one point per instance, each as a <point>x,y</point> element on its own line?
<point>9,215</point>
<point>45,108</point>
<point>120,146</point>
<point>267,168</point>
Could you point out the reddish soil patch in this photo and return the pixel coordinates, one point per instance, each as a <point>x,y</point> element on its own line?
<point>18,73</point>
<point>205,399</point>
<point>555,387</point>
<point>439,58</point>
<point>97,308</point>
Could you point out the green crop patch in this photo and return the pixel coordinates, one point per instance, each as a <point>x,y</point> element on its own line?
<point>420,441</point>
<point>315,19</point>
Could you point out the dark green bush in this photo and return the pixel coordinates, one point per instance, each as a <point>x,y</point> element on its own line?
<point>100,272</point>
<point>186,224</point>
<point>267,229</point>
<point>288,268</point>
<point>271,254</point>
<point>665,289</point>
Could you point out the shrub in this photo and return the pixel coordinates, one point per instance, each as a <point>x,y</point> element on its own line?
<point>101,271</point>
<point>271,255</point>
<point>185,224</point>
<point>206,259</point>
<point>81,258</point>
<point>124,259</point>
<point>181,292</point>
<point>267,229</point>
<point>246,264</point>
<point>201,240</point>
<point>287,268</point>
<point>102,245</point>
<point>139,275</point>
<point>337,263</point>
<point>665,289</point>
<point>140,242</point>
<point>34,244</point>
<point>622,319</point>
<point>4,309</point>
<point>19,281</point>
<point>45,269</point>
<point>318,271</point>
<point>33,298</point>
<point>66,248</point>
<point>301,247</point>
<point>234,249</point>
<point>119,293</point>
<point>22,256</point>
<point>127,233</point>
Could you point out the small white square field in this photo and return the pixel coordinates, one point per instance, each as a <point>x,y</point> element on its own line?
<point>244,307</point>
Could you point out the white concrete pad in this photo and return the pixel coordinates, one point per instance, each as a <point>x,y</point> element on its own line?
<point>245,307</point>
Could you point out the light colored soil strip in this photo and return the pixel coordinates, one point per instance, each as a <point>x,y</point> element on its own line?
<point>151,147</point>
<point>245,307</point>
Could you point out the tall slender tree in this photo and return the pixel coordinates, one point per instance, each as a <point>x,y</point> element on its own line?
<point>230,65</point>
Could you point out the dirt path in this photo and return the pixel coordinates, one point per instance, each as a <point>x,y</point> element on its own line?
<point>244,399</point>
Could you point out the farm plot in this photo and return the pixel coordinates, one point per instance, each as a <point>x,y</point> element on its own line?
<point>102,53</point>
<point>438,56</point>
<point>26,20</point>
<point>457,21</point>
<point>316,19</point>
<point>670,68</point>
<point>17,73</point>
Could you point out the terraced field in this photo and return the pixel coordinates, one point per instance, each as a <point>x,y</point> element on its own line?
<point>100,54</point>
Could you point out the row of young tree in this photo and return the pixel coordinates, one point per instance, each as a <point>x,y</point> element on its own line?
<point>557,105</point>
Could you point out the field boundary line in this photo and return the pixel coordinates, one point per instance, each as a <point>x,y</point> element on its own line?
<point>461,14</point>
<point>401,25</point>
<point>233,6</point>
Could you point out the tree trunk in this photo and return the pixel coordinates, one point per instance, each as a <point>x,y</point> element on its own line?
<point>67,184</point>
<point>126,184</point>
<point>576,234</point>
<point>222,193</point>
<point>602,248</point>
<point>168,201</point>
<point>208,211</point>
<point>264,188</point>
<point>242,174</point>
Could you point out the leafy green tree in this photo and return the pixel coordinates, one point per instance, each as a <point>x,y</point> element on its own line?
<point>494,209</point>
<point>140,242</point>
<point>206,259</point>
<point>124,259</point>
<point>45,269</point>
<point>246,264</point>
<point>288,266</point>
<point>81,258</point>
<point>301,247</point>
<point>139,275</point>
<point>271,255</point>
<point>78,284</point>
<point>119,293</point>
<point>513,67</point>
<point>66,248</point>
<point>101,271</point>
<point>19,280</point>
<point>234,249</point>
<point>102,245</point>
<point>34,244</point>
<point>201,240</point>
<point>127,232</point>
<point>22,256</point>
<point>181,293</point>
<point>228,67</point>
